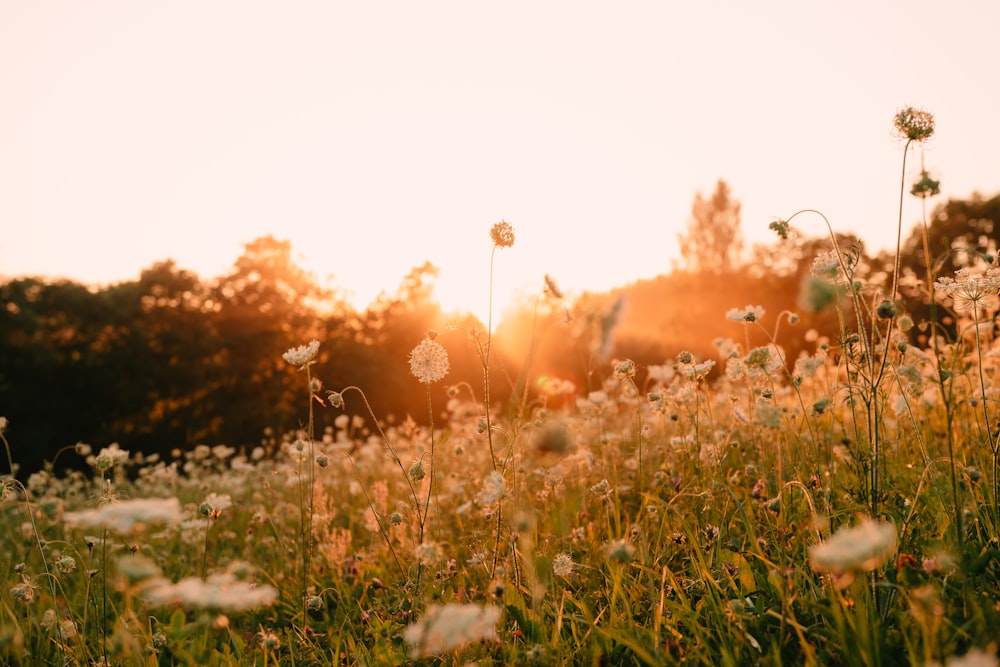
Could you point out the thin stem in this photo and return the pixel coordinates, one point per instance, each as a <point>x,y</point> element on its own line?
<point>430,481</point>
<point>486,363</point>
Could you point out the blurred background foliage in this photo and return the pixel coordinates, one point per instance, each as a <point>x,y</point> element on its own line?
<point>171,360</point>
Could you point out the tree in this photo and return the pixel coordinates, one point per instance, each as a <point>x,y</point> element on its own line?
<point>714,239</point>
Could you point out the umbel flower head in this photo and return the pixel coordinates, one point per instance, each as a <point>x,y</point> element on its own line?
<point>445,628</point>
<point>502,234</point>
<point>302,355</point>
<point>429,361</point>
<point>859,548</point>
<point>972,291</point>
<point>914,124</point>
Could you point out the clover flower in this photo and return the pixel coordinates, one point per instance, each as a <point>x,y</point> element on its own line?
<point>302,355</point>
<point>429,361</point>
<point>914,124</point>
<point>447,627</point>
<point>502,234</point>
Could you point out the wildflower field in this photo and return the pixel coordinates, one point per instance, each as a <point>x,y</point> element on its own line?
<point>839,508</point>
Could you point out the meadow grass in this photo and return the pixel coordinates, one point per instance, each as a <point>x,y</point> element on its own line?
<point>836,509</point>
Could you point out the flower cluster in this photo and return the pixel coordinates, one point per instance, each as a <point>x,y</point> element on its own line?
<point>914,124</point>
<point>302,355</point>
<point>859,548</point>
<point>447,627</point>
<point>746,314</point>
<point>429,361</point>
<point>502,234</point>
<point>971,290</point>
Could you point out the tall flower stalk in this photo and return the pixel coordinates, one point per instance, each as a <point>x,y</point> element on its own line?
<point>304,357</point>
<point>913,126</point>
<point>429,364</point>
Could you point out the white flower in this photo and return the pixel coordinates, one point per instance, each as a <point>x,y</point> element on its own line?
<point>860,548</point>
<point>224,591</point>
<point>126,515</point>
<point>562,565</point>
<point>429,361</point>
<point>492,490</point>
<point>974,658</point>
<point>109,457</point>
<point>303,354</point>
<point>444,628</point>
<point>747,314</point>
<point>972,291</point>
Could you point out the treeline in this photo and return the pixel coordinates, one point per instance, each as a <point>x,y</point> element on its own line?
<point>170,360</point>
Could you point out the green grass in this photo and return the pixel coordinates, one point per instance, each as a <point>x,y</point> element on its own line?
<point>837,509</point>
<point>707,562</point>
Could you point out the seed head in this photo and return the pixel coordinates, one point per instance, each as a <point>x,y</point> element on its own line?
<point>502,234</point>
<point>914,124</point>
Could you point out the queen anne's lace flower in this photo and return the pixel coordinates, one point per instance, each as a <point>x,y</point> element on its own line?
<point>502,234</point>
<point>302,355</point>
<point>860,548</point>
<point>746,314</point>
<point>972,291</point>
<point>429,361</point>
<point>562,565</point>
<point>125,515</point>
<point>914,124</point>
<point>448,627</point>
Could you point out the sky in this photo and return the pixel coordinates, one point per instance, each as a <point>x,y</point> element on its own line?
<point>378,135</point>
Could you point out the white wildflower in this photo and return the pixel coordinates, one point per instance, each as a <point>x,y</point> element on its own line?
<point>972,291</point>
<point>492,490</point>
<point>562,565</point>
<point>746,314</point>
<point>445,628</point>
<point>126,515</point>
<point>302,355</point>
<point>429,361</point>
<point>975,657</point>
<point>859,548</point>
<point>225,591</point>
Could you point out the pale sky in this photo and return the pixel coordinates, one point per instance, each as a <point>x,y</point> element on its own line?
<point>377,135</point>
